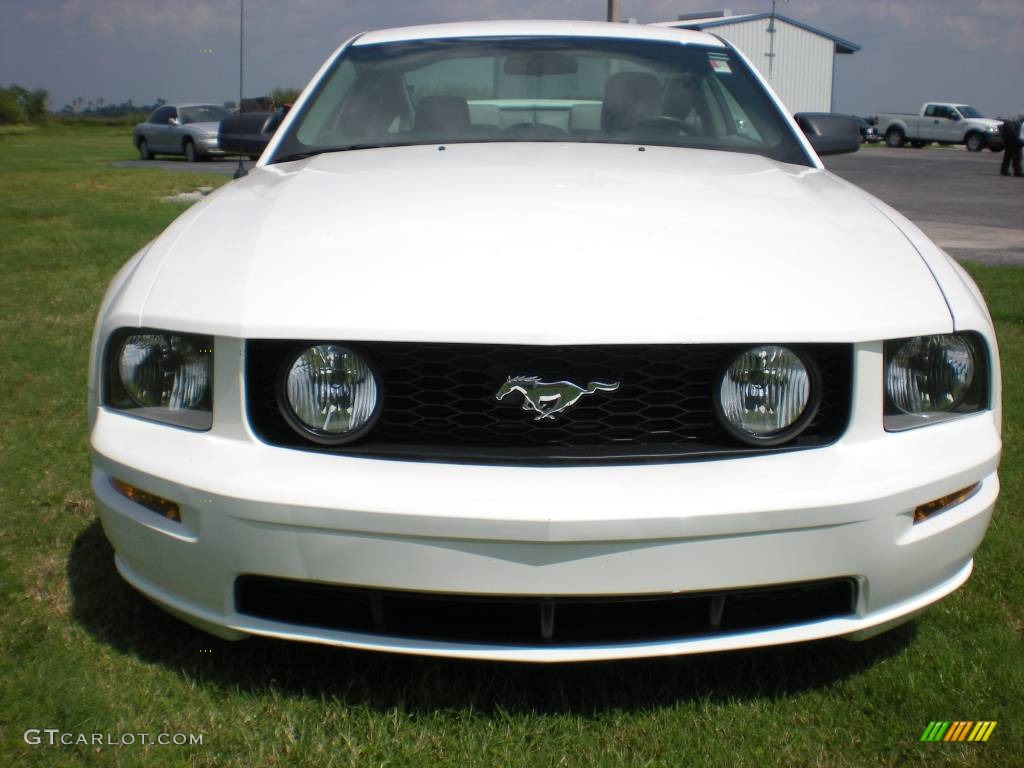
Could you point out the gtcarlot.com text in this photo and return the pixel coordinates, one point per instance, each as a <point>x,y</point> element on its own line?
<point>54,737</point>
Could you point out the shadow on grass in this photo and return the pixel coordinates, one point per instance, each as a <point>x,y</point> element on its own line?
<point>116,614</point>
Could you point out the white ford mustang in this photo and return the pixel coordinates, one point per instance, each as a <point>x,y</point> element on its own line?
<point>544,341</point>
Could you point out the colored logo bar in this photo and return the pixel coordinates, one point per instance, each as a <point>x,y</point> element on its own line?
<point>958,730</point>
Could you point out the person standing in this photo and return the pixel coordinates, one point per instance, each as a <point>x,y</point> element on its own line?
<point>1011,131</point>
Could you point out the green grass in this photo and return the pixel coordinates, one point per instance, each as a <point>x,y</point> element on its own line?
<point>84,653</point>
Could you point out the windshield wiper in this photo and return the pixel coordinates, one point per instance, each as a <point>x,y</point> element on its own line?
<point>325,150</point>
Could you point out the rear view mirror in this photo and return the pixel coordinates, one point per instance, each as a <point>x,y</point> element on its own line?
<point>540,63</point>
<point>829,134</point>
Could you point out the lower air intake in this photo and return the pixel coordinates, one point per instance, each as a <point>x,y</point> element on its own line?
<point>541,620</point>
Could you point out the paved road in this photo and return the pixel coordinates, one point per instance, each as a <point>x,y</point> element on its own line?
<point>957,197</point>
<point>224,167</point>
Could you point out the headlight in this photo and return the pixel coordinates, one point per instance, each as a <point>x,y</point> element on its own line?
<point>767,395</point>
<point>329,394</point>
<point>161,376</point>
<point>932,378</point>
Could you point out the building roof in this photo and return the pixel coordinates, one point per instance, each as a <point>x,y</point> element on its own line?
<point>539,28</point>
<point>842,46</point>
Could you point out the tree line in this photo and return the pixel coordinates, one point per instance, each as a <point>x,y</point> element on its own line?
<point>20,105</point>
<point>101,108</point>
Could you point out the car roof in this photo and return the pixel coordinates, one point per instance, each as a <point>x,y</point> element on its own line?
<point>539,29</point>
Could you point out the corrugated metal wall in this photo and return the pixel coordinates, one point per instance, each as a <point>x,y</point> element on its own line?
<point>802,72</point>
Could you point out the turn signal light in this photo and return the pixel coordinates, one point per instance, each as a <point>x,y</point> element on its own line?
<point>925,511</point>
<point>161,506</point>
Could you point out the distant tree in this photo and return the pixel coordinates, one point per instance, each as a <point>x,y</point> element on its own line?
<point>10,110</point>
<point>35,106</point>
<point>31,104</point>
<point>285,95</point>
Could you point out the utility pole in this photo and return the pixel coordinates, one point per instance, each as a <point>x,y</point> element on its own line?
<point>240,168</point>
<point>614,10</point>
<point>771,40</point>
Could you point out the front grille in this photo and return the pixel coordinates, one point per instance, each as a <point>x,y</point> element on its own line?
<point>439,402</point>
<point>541,620</point>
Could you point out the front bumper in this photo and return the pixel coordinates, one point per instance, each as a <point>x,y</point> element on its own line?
<point>209,146</point>
<point>840,511</point>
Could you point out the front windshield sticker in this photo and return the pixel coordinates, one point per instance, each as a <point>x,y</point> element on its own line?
<point>719,64</point>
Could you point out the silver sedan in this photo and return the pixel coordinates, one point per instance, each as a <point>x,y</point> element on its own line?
<point>187,129</point>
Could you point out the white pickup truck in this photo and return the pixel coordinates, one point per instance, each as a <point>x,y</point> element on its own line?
<point>944,122</point>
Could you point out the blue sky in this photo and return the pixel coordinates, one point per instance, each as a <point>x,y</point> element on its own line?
<point>913,50</point>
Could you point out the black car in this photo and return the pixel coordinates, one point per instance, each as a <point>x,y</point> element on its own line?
<point>249,133</point>
<point>868,131</point>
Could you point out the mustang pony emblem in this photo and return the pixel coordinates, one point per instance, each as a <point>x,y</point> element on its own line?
<point>549,398</point>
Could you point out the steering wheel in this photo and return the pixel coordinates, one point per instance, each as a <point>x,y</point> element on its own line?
<point>660,124</point>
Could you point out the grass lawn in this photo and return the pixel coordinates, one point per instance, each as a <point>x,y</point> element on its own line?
<point>84,653</point>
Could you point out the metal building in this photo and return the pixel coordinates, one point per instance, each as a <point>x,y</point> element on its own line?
<point>796,58</point>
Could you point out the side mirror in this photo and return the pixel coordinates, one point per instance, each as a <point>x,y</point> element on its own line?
<point>828,133</point>
<point>271,123</point>
<point>955,117</point>
<point>174,121</point>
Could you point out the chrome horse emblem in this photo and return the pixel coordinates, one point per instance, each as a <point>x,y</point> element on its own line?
<point>549,398</point>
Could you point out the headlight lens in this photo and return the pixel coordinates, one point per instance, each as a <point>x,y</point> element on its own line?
<point>931,378</point>
<point>330,394</point>
<point>767,395</point>
<point>161,376</point>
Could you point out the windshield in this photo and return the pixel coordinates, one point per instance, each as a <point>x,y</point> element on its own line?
<point>205,113</point>
<point>968,111</point>
<point>530,89</point>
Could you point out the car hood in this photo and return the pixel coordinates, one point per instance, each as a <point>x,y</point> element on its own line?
<point>539,243</point>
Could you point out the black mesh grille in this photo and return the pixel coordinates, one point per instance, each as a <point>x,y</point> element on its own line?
<point>537,620</point>
<point>439,401</point>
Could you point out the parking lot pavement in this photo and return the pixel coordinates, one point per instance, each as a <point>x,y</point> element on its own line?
<point>957,197</point>
<point>224,166</point>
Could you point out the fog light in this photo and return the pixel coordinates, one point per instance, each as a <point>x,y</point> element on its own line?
<point>925,511</point>
<point>329,394</point>
<point>767,395</point>
<point>161,506</point>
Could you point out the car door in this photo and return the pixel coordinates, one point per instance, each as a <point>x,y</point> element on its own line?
<point>174,131</point>
<point>955,126</point>
<point>947,124</point>
<point>149,130</point>
<point>931,127</point>
<point>156,131</point>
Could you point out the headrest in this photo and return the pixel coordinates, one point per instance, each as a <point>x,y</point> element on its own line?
<point>628,97</point>
<point>373,103</point>
<point>440,114</point>
<point>680,96</point>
